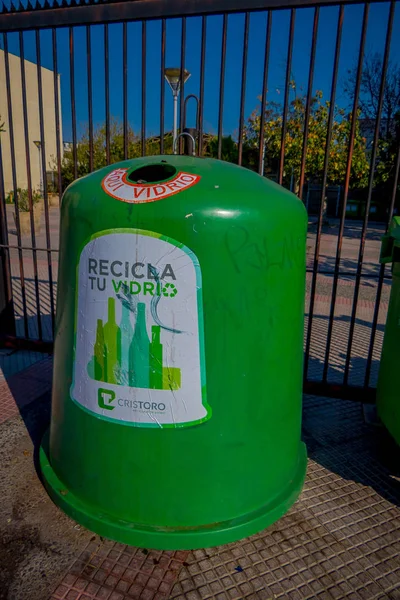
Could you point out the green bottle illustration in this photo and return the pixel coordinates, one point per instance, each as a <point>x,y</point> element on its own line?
<point>126,338</point>
<point>99,352</point>
<point>139,351</point>
<point>156,358</point>
<point>112,342</point>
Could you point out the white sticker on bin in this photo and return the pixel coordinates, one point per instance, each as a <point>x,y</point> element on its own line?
<point>139,351</point>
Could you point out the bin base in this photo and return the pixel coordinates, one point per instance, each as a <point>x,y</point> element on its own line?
<point>170,538</point>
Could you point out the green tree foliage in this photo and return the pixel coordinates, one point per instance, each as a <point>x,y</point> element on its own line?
<point>23,198</point>
<point>316,142</point>
<point>317,131</point>
<point>388,148</point>
<point>134,144</point>
<point>229,148</point>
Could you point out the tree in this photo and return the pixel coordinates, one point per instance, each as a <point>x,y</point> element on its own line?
<point>370,89</point>
<point>116,139</point>
<point>152,148</point>
<point>389,133</point>
<point>387,154</point>
<point>229,148</point>
<point>316,142</point>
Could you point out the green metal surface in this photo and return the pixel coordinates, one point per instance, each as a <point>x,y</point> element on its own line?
<point>241,464</point>
<point>388,396</point>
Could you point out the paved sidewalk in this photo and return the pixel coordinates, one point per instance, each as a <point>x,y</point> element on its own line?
<point>13,361</point>
<point>340,540</point>
<point>20,389</point>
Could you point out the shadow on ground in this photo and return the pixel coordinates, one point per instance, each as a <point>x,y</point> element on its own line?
<point>347,438</point>
<point>338,350</point>
<point>348,267</point>
<point>31,392</point>
<point>38,543</point>
<point>352,228</point>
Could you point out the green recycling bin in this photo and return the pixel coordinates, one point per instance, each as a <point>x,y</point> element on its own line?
<point>388,395</point>
<point>176,407</point>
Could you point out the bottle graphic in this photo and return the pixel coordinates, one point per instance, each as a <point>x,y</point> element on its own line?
<point>126,338</point>
<point>156,358</point>
<point>124,355</point>
<point>112,343</point>
<point>139,352</point>
<point>99,353</point>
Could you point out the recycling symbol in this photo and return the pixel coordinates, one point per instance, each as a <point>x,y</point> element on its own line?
<point>169,290</point>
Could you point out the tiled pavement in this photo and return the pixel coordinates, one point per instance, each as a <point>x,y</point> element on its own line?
<point>115,572</point>
<point>340,540</point>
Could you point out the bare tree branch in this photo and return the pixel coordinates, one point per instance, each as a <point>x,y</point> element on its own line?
<point>369,90</point>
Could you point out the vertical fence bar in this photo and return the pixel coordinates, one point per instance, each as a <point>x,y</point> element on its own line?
<point>29,179</point>
<point>162,86</point>
<point>7,317</point>
<point>346,189</point>
<point>143,88</point>
<point>202,77</point>
<point>182,82</point>
<point>222,84</point>
<point>125,85</point>
<point>90,95</point>
<point>381,277</point>
<point>72,90</point>
<point>370,186</point>
<point>44,177</point>
<point>57,112</point>
<point>107,92</point>
<point>286,100</point>
<point>324,181</point>
<point>308,101</point>
<point>15,186</point>
<point>243,90</point>
<point>261,149</point>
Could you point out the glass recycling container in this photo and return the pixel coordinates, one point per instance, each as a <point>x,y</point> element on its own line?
<point>176,404</point>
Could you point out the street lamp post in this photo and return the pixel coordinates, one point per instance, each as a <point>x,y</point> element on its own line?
<point>38,145</point>
<point>173,77</point>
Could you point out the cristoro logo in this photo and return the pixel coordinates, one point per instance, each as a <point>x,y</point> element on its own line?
<point>105,397</point>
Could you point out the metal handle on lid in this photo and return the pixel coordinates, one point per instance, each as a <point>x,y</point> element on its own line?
<point>191,137</point>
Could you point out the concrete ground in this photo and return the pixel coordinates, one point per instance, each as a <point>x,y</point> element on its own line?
<point>340,540</point>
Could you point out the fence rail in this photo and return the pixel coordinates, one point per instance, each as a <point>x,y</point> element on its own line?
<point>346,297</point>
<point>66,14</point>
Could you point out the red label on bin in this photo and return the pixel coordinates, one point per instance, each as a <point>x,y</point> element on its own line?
<point>115,184</point>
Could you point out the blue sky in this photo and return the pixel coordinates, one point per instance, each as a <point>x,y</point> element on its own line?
<point>258,21</point>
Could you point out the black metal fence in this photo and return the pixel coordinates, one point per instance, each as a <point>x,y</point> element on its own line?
<point>347,288</point>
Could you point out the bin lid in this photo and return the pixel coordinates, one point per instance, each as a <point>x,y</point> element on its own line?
<point>390,250</point>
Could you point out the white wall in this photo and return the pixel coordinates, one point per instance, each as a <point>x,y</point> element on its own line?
<point>33,121</point>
